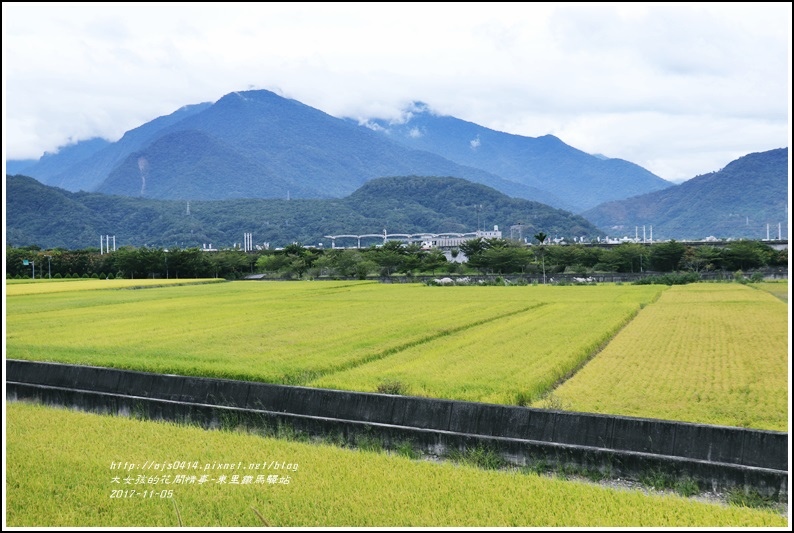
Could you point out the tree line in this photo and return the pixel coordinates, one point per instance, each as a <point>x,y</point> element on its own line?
<point>482,256</point>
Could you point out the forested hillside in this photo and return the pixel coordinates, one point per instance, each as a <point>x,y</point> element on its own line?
<point>52,217</point>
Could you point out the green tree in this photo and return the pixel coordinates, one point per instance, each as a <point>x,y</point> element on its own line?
<point>129,263</point>
<point>746,255</point>
<point>666,256</point>
<point>230,264</point>
<point>434,260</point>
<point>272,263</point>
<point>186,263</point>
<point>412,259</point>
<point>300,259</point>
<point>626,257</point>
<point>508,259</point>
<point>701,258</point>
<point>388,257</point>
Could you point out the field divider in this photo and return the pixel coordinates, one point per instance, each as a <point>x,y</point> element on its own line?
<point>596,350</point>
<point>308,376</point>
<point>716,456</point>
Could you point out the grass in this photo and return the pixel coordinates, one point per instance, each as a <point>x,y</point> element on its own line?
<point>479,457</point>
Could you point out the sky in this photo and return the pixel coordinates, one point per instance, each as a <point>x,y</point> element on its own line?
<point>681,89</point>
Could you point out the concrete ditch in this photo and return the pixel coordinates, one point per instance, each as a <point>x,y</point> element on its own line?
<point>718,458</point>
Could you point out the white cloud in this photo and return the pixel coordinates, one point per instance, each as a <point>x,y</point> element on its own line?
<point>673,87</point>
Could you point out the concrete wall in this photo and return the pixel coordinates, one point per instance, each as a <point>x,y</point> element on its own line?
<point>720,456</point>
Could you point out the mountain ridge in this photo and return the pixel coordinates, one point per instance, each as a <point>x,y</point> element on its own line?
<point>310,151</point>
<point>736,201</point>
<point>47,216</point>
<point>578,178</point>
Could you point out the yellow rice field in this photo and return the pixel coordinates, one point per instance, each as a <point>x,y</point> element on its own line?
<point>52,481</point>
<point>18,288</point>
<point>511,361</point>
<point>708,353</point>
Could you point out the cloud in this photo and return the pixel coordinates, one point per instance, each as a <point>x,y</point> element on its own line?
<point>674,86</point>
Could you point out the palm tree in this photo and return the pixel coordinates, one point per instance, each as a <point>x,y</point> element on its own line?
<point>541,237</point>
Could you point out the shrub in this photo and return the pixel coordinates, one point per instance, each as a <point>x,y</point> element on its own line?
<point>669,279</point>
<point>552,402</point>
<point>392,387</point>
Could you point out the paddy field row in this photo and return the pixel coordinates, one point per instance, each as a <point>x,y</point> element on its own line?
<point>711,352</point>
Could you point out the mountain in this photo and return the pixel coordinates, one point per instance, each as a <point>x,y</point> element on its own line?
<point>38,213</point>
<point>577,179</point>
<point>89,172</point>
<point>18,166</point>
<point>255,144</point>
<point>737,201</point>
<point>52,164</point>
<point>260,145</point>
<point>50,217</point>
<point>188,165</point>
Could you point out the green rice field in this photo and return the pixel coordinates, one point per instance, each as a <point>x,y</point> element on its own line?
<point>71,469</point>
<point>715,353</point>
<point>497,344</point>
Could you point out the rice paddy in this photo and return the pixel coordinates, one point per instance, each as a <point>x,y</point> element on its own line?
<point>710,353</point>
<point>69,469</point>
